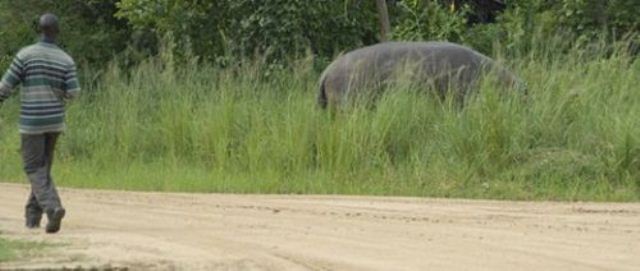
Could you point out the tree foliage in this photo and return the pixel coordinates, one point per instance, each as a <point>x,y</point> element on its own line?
<point>275,29</point>
<point>223,31</point>
<point>89,29</point>
<point>430,20</point>
<point>590,16</point>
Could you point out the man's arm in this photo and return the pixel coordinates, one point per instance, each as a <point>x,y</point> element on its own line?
<point>72,86</point>
<point>11,79</point>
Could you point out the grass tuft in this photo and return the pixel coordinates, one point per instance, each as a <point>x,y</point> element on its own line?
<point>246,130</point>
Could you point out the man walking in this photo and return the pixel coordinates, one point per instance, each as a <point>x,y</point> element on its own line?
<point>48,78</point>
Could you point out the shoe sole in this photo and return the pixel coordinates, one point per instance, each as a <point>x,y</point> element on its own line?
<point>33,223</point>
<point>33,226</point>
<point>56,220</point>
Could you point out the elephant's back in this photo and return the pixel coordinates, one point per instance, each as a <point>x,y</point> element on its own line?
<point>380,60</point>
<point>454,54</point>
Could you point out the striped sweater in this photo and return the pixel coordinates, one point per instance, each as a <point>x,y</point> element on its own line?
<point>48,77</point>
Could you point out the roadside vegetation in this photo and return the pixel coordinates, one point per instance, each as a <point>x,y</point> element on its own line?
<point>183,98</point>
<point>252,129</point>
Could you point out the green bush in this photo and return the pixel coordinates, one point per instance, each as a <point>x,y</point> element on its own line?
<point>423,20</point>
<point>275,29</point>
<point>530,24</point>
<point>590,17</point>
<point>89,30</point>
<point>279,31</point>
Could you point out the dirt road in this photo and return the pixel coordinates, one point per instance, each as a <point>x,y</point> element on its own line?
<point>156,231</point>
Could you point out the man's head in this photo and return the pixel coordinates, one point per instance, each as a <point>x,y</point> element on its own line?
<point>48,26</point>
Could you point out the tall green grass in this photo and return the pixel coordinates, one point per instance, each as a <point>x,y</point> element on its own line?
<point>246,130</point>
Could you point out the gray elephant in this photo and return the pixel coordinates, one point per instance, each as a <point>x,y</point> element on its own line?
<point>441,66</point>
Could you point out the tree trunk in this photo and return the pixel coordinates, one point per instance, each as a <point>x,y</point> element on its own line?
<point>383,17</point>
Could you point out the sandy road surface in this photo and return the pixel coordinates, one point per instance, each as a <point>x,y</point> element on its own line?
<point>157,231</point>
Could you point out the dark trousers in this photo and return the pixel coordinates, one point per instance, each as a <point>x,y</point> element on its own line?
<point>37,155</point>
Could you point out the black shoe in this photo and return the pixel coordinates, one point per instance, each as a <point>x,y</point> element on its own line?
<point>33,222</point>
<point>55,219</point>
